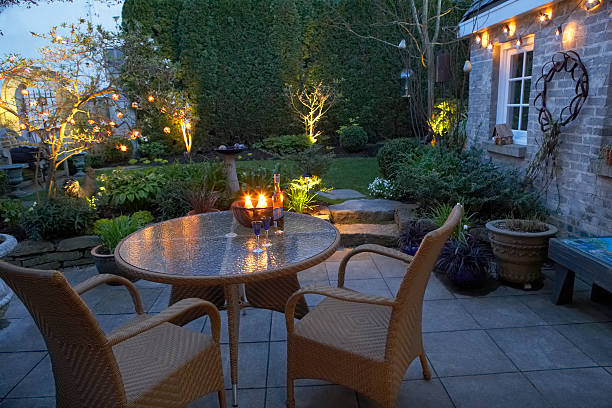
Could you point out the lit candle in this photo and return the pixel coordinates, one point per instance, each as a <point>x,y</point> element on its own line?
<point>261,202</point>
<point>247,202</point>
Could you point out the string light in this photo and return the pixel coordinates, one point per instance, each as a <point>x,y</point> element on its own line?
<point>558,32</point>
<point>167,130</point>
<point>96,129</point>
<point>115,97</point>
<point>111,123</point>
<point>163,110</point>
<point>91,122</point>
<point>134,135</point>
<point>122,147</point>
<point>591,4</point>
<point>72,121</point>
<point>24,92</point>
<point>134,105</point>
<point>151,98</point>
<point>119,114</point>
<point>543,18</point>
<point>22,126</point>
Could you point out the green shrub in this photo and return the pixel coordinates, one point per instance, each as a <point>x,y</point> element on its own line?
<point>112,231</point>
<point>392,152</point>
<point>300,196</point>
<point>59,217</point>
<point>131,190</point>
<point>438,176</point>
<point>153,150</point>
<point>11,211</point>
<point>313,160</point>
<point>95,160</point>
<point>111,154</point>
<point>286,144</point>
<point>353,138</point>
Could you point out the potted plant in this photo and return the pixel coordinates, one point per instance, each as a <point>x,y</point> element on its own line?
<point>520,246</point>
<point>202,200</point>
<point>111,232</point>
<point>606,154</point>
<point>465,262</point>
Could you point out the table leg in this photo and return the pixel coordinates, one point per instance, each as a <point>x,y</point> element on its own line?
<point>232,296</point>
<point>564,285</point>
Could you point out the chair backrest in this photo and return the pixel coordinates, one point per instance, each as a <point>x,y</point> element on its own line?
<point>85,370</point>
<point>404,337</point>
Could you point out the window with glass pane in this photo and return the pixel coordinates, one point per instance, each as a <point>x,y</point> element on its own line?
<point>519,84</point>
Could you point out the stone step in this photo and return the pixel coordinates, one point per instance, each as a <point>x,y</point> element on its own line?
<point>352,235</point>
<point>365,211</point>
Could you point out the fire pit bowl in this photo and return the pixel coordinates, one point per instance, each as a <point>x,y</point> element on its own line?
<point>246,215</point>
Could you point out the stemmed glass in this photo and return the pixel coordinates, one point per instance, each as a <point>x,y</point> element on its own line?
<point>266,226</point>
<point>257,231</point>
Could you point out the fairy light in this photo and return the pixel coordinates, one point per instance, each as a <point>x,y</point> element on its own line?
<point>122,147</point>
<point>91,122</point>
<point>96,129</point>
<point>167,130</point>
<point>111,123</point>
<point>163,110</point>
<point>25,92</point>
<point>119,114</point>
<point>134,105</point>
<point>72,121</point>
<point>22,126</point>
<point>134,135</point>
<point>115,97</point>
<point>151,98</point>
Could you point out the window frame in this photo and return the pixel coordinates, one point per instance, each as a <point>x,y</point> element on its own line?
<point>506,52</point>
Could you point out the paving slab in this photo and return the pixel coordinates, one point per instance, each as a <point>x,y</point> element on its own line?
<point>341,194</point>
<point>365,211</point>
<point>358,234</point>
<point>418,393</point>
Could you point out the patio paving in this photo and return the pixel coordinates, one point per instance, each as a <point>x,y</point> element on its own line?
<point>502,348</point>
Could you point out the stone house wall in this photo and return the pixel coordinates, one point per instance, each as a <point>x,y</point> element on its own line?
<point>582,203</point>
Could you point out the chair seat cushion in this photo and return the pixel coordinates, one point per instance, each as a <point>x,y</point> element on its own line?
<point>155,364</point>
<point>356,328</point>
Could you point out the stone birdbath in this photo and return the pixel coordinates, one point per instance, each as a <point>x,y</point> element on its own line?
<point>7,244</point>
<point>229,157</point>
<point>79,162</point>
<point>14,177</point>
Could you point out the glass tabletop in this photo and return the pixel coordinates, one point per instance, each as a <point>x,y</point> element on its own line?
<point>198,246</point>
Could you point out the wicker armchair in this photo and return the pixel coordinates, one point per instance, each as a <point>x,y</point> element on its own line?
<point>360,341</point>
<point>148,362</point>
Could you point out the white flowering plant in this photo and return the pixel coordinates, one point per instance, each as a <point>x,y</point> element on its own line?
<point>383,188</point>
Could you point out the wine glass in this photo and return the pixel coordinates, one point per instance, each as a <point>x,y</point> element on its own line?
<point>266,226</point>
<point>257,230</point>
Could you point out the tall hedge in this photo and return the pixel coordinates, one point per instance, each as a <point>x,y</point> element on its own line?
<point>239,56</point>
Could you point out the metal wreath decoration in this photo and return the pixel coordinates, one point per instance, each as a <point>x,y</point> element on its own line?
<point>568,62</point>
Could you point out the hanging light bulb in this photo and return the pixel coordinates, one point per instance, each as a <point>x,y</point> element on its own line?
<point>119,114</point>
<point>506,30</point>
<point>22,126</point>
<point>558,32</point>
<point>72,121</point>
<point>591,4</point>
<point>478,39</point>
<point>151,98</point>
<point>517,44</point>
<point>167,130</point>
<point>24,92</point>
<point>115,97</point>
<point>134,105</point>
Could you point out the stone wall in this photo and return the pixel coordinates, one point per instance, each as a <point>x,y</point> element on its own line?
<point>54,255</point>
<point>581,203</point>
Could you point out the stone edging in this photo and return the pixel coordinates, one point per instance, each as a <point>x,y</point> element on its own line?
<point>54,254</point>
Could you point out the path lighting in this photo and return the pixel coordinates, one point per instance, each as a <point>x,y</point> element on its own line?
<point>591,4</point>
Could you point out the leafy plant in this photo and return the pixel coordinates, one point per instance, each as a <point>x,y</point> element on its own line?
<point>58,217</point>
<point>300,196</point>
<point>112,231</point>
<point>153,150</point>
<point>353,138</point>
<point>440,214</point>
<point>411,237</point>
<point>11,211</point>
<point>466,262</point>
<point>285,144</point>
<point>202,200</point>
<point>258,180</point>
<point>313,160</point>
<point>391,153</point>
<point>131,189</point>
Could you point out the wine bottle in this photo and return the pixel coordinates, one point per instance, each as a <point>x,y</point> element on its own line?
<point>277,207</point>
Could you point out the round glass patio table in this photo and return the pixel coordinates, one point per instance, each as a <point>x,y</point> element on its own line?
<point>198,250</point>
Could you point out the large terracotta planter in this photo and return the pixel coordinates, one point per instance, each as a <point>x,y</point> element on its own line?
<point>105,263</point>
<point>520,254</point>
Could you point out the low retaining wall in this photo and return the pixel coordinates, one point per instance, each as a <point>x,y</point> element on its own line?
<point>54,254</point>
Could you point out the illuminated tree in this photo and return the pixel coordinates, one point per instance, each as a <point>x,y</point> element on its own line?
<point>311,103</point>
<point>62,102</point>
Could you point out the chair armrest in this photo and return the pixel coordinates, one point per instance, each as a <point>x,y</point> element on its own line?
<point>336,293</point>
<point>377,249</point>
<point>175,311</point>
<point>98,280</point>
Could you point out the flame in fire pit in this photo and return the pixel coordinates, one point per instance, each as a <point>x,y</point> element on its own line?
<point>247,201</point>
<point>261,202</point>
